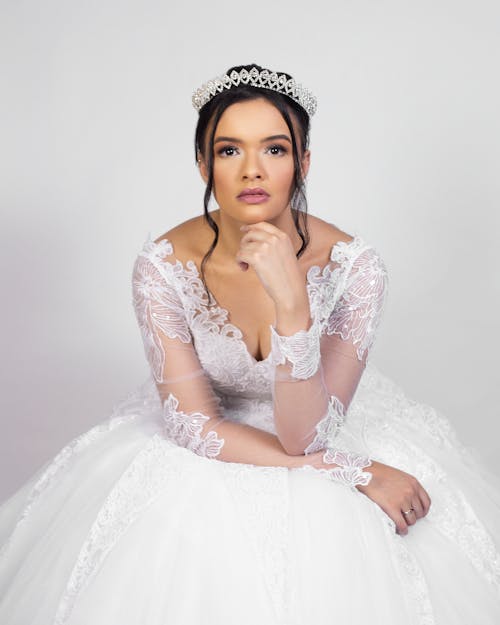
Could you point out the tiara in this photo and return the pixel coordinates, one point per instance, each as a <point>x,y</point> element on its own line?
<point>256,78</point>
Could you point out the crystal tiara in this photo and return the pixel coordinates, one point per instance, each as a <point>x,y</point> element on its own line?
<point>255,78</point>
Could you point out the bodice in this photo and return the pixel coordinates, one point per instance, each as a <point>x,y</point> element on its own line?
<point>219,344</point>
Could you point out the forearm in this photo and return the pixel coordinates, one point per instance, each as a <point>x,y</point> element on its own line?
<point>298,407</point>
<point>205,431</point>
<point>248,445</point>
<point>300,396</point>
<point>218,438</point>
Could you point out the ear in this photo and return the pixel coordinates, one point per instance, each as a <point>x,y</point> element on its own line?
<point>202,166</point>
<point>305,163</point>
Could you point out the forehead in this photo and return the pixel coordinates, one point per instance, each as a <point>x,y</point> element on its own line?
<point>250,118</point>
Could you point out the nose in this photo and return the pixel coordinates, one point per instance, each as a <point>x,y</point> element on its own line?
<point>252,167</point>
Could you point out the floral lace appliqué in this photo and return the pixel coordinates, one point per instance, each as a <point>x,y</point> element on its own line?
<point>327,428</point>
<point>359,309</point>
<point>301,350</point>
<point>158,310</point>
<point>350,470</point>
<point>186,429</point>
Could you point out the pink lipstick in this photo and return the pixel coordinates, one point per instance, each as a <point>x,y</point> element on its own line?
<point>254,195</point>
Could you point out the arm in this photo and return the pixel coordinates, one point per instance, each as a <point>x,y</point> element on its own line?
<point>192,415</point>
<point>316,375</point>
<point>191,411</point>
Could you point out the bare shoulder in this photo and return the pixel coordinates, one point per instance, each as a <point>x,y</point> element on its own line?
<point>324,236</point>
<point>187,238</point>
<point>191,239</point>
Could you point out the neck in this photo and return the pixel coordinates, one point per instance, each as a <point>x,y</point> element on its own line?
<point>230,234</point>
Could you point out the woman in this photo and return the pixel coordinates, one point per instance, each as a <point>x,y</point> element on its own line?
<point>267,473</point>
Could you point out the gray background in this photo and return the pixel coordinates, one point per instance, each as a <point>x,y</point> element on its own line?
<point>97,132</point>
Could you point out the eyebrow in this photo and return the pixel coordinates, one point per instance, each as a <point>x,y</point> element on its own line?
<point>271,138</point>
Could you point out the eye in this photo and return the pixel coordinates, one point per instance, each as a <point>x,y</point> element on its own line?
<point>227,150</point>
<point>277,150</point>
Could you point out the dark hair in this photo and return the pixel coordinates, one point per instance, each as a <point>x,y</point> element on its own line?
<point>213,110</point>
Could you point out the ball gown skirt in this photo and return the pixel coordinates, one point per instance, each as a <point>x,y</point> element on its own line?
<point>125,527</point>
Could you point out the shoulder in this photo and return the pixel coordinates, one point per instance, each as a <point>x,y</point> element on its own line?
<point>350,249</point>
<point>324,236</point>
<point>364,267</point>
<point>188,239</point>
<point>326,231</point>
<point>156,261</point>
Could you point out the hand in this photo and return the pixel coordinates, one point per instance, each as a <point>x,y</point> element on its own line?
<point>396,491</point>
<point>269,251</point>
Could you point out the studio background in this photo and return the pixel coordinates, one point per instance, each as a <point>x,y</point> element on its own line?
<point>97,152</point>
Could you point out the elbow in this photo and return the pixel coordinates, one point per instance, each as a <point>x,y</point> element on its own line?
<point>292,448</point>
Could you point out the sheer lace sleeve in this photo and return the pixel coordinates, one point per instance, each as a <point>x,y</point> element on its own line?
<point>190,407</point>
<point>191,410</point>
<point>318,370</point>
<point>315,374</point>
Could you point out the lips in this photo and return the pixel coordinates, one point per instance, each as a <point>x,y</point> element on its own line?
<point>255,191</point>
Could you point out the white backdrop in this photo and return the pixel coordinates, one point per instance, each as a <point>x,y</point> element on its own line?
<point>97,133</point>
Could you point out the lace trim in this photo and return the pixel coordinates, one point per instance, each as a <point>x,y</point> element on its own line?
<point>455,518</point>
<point>301,350</point>
<point>157,309</point>
<point>410,573</point>
<point>358,312</point>
<point>56,466</point>
<point>350,470</point>
<point>327,429</point>
<point>145,478</point>
<point>262,500</point>
<point>324,286</point>
<point>186,428</point>
<point>352,465</point>
<point>450,513</point>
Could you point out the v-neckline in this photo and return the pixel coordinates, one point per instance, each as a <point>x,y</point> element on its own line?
<point>226,313</point>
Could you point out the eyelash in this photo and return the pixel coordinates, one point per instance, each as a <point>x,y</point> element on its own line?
<point>233,147</point>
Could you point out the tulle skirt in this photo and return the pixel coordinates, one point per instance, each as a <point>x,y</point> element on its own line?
<point>124,527</point>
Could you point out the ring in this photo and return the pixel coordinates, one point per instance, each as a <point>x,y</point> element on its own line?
<point>408,511</point>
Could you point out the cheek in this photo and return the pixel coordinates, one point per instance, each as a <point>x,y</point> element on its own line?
<point>285,175</point>
<point>220,179</point>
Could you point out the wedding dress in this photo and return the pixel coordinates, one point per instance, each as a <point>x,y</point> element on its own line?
<point>162,514</point>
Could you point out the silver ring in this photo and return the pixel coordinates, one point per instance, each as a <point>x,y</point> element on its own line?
<point>410,510</point>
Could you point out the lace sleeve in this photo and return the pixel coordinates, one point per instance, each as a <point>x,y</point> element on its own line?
<point>317,370</point>
<point>190,407</point>
<point>192,413</point>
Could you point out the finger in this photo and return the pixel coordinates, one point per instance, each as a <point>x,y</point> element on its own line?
<point>410,517</point>
<point>425,499</point>
<point>247,253</point>
<point>401,525</point>
<point>418,508</point>
<point>258,236</point>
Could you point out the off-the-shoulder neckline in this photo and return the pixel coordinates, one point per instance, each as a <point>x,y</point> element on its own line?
<point>357,242</point>
<point>340,245</point>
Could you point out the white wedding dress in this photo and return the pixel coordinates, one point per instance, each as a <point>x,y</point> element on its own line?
<point>148,518</point>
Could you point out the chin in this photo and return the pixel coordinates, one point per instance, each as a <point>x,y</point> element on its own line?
<point>253,213</point>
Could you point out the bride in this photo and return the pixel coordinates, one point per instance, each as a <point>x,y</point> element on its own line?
<point>267,472</point>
